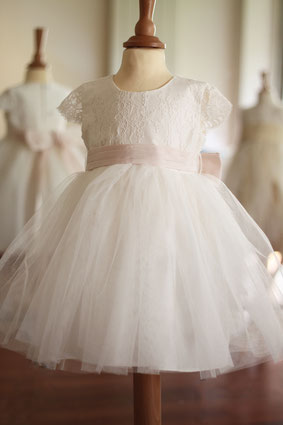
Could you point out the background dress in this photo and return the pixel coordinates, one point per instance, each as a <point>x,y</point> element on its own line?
<point>36,154</point>
<point>141,267</point>
<point>256,172</point>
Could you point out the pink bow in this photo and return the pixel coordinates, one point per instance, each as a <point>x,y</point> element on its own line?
<point>211,164</point>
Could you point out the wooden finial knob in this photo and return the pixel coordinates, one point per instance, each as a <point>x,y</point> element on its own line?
<point>40,39</point>
<point>145,28</point>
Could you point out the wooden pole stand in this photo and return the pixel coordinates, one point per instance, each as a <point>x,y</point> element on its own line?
<point>147,399</point>
<point>146,387</point>
<point>145,28</point>
<point>40,35</point>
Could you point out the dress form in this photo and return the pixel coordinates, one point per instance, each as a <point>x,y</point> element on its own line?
<point>38,146</point>
<point>255,175</point>
<point>266,96</point>
<point>38,75</point>
<point>143,68</point>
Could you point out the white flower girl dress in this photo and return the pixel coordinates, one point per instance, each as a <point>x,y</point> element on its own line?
<point>36,154</point>
<point>256,173</point>
<point>141,263</point>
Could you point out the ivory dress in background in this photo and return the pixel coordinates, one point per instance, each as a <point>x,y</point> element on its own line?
<point>256,172</point>
<point>36,154</point>
<point>141,263</point>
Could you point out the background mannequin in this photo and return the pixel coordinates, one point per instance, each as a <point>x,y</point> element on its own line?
<point>39,75</point>
<point>256,172</point>
<point>38,150</point>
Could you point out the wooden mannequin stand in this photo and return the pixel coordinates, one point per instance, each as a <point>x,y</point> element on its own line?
<point>38,71</point>
<point>40,38</point>
<point>147,388</point>
<point>147,399</point>
<point>145,28</point>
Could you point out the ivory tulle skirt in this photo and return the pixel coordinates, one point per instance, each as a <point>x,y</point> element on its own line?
<point>27,177</point>
<point>256,178</point>
<point>136,268</point>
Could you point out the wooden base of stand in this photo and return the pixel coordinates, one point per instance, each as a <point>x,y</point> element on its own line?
<point>147,399</point>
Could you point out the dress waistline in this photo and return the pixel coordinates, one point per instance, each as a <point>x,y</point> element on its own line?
<point>162,156</point>
<point>157,155</point>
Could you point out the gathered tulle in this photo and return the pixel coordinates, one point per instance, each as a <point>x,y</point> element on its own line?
<point>138,268</point>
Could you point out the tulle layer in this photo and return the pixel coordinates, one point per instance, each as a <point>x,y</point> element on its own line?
<point>27,177</point>
<point>140,268</point>
<point>256,179</point>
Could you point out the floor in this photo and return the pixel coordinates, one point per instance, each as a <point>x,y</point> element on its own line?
<point>35,396</point>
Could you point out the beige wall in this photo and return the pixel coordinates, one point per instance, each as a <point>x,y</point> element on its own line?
<point>207,42</point>
<point>76,40</point>
<point>260,47</point>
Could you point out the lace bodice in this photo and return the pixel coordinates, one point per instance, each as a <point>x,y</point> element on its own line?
<point>176,114</point>
<point>33,107</point>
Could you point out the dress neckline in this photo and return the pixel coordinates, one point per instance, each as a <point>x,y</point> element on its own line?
<point>143,91</point>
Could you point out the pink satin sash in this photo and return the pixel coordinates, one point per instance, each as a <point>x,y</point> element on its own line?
<point>157,155</point>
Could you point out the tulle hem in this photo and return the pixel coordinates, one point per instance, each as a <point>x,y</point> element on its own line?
<point>69,364</point>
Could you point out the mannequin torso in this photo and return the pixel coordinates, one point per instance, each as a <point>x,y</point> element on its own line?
<point>142,69</point>
<point>38,75</point>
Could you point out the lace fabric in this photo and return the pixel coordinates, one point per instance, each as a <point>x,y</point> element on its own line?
<point>177,114</point>
<point>215,107</point>
<point>71,106</point>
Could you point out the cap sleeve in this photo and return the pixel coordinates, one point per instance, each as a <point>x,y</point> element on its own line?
<point>71,106</point>
<point>6,100</point>
<point>215,107</point>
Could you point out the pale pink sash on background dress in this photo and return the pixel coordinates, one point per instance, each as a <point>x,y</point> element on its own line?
<point>157,155</point>
<point>40,143</point>
<point>263,132</point>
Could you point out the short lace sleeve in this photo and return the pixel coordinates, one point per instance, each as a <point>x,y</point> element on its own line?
<point>6,100</point>
<point>71,106</point>
<point>215,107</point>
